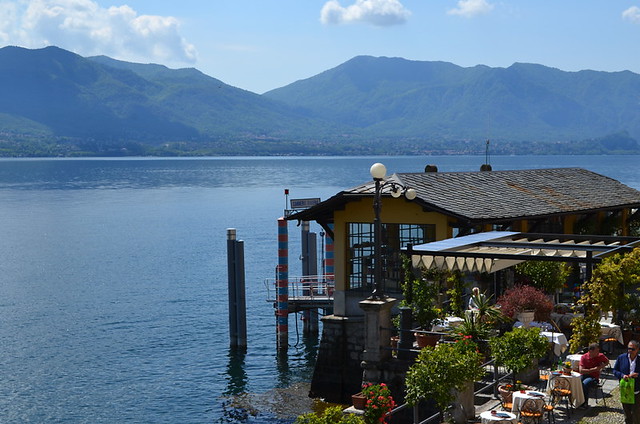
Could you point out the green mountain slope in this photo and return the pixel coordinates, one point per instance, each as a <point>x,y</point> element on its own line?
<point>394,96</point>
<point>53,91</point>
<point>54,102</point>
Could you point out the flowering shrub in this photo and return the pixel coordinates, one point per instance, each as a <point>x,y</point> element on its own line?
<point>524,298</point>
<point>379,403</point>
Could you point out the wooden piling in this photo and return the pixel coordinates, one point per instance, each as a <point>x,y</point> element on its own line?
<point>236,291</point>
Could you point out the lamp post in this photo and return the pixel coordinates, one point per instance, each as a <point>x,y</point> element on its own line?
<point>378,172</point>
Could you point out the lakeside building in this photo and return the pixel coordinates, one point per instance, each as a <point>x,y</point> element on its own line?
<point>447,204</point>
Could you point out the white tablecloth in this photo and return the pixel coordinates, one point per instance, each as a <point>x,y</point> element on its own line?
<point>577,394</point>
<point>608,330</point>
<point>544,326</point>
<point>488,418</point>
<point>575,361</point>
<point>518,399</point>
<point>559,341</point>
<point>449,322</point>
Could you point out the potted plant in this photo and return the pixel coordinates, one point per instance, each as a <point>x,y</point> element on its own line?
<point>441,371</point>
<point>379,403</point>
<point>506,390</point>
<point>420,294</point>
<point>526,298</point>
<point>519,350</point>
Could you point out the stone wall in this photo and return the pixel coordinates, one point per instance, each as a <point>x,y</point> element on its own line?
<point>338,374</point>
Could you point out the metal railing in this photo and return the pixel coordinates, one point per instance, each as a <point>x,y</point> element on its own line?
<point>308,287</point>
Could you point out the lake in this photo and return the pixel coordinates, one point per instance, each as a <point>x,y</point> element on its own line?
<point>113,276</point>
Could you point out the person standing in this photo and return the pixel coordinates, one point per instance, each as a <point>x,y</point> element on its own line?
<point>591,363</point>
<point>626,367</point>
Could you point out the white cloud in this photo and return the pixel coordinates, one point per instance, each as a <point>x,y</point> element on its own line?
<point>86,28</point>
<point>374,12</point>
<point>632,14</point>
<point>470,8</point>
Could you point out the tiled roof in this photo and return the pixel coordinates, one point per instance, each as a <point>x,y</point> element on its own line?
<point>514,194</point>
<point>500,195</point>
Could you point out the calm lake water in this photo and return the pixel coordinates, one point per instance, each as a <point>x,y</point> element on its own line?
<point>113,278</point>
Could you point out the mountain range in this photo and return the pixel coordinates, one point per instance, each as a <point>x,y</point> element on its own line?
<point>55,102</point>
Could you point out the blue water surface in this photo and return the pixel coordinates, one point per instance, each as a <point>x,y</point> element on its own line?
<point>113,276</point>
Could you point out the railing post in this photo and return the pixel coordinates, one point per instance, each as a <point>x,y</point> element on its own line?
<point>406,337</point>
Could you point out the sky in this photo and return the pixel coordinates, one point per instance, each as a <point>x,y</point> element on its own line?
<point>260,45</point>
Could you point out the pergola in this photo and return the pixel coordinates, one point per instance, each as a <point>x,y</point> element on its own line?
<point>496,250</point>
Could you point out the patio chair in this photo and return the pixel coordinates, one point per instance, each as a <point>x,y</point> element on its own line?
<point>549,409</point>
<point>531,411</point>
<point>561,391</point>
<point>599,388</point>
<point>543,376</point>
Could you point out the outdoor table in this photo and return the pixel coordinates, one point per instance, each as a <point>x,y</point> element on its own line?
<point>575,382</point>
<point>449,322</point>
<point>558,339</point>
<point>500,416</point>
<point>519,397</point>
<point>543,326</point>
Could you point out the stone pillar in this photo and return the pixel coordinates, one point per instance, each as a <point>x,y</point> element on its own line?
<point>377,335</point>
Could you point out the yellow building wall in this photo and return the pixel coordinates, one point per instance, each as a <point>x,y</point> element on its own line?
<point>396,211</point>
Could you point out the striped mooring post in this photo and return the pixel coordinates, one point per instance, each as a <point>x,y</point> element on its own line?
<point>328,262</point>
<point>282,286</point>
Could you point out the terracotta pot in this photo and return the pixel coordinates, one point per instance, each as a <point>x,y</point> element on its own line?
<point>425,340</point>
<point>507,395</point>
<point>359,400</point>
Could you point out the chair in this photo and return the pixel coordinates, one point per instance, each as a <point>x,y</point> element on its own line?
<point>549,409</point>
<point>531,411</point>
<point>544,375</point>
<point>561,390</point>
<point>610,342</point>
<point>507,406</point>
<point>600,386</point>
<point>505,402</point>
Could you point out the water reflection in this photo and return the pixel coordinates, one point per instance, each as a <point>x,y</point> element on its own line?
<point>236,375</point>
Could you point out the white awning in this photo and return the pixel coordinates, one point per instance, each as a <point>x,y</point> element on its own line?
<point>495,250</point>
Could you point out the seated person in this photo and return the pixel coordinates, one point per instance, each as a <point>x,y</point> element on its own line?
<point>591,363</point>
<point>476,297</point>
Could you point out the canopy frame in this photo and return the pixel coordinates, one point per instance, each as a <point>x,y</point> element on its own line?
<point>492,251</point>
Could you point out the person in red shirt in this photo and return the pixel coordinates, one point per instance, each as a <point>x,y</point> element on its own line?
<point>591,363</point>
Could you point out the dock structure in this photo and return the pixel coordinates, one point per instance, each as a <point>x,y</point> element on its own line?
<point>304,293</point>
<point>309,294</point>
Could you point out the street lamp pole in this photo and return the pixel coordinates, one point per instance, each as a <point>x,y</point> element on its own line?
<point>378,172</point>
<point>378,289</point>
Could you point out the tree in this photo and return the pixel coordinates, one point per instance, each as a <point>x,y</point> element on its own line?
<point>547,276</point>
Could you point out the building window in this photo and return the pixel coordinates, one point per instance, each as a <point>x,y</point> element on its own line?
<point>360,258</point>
